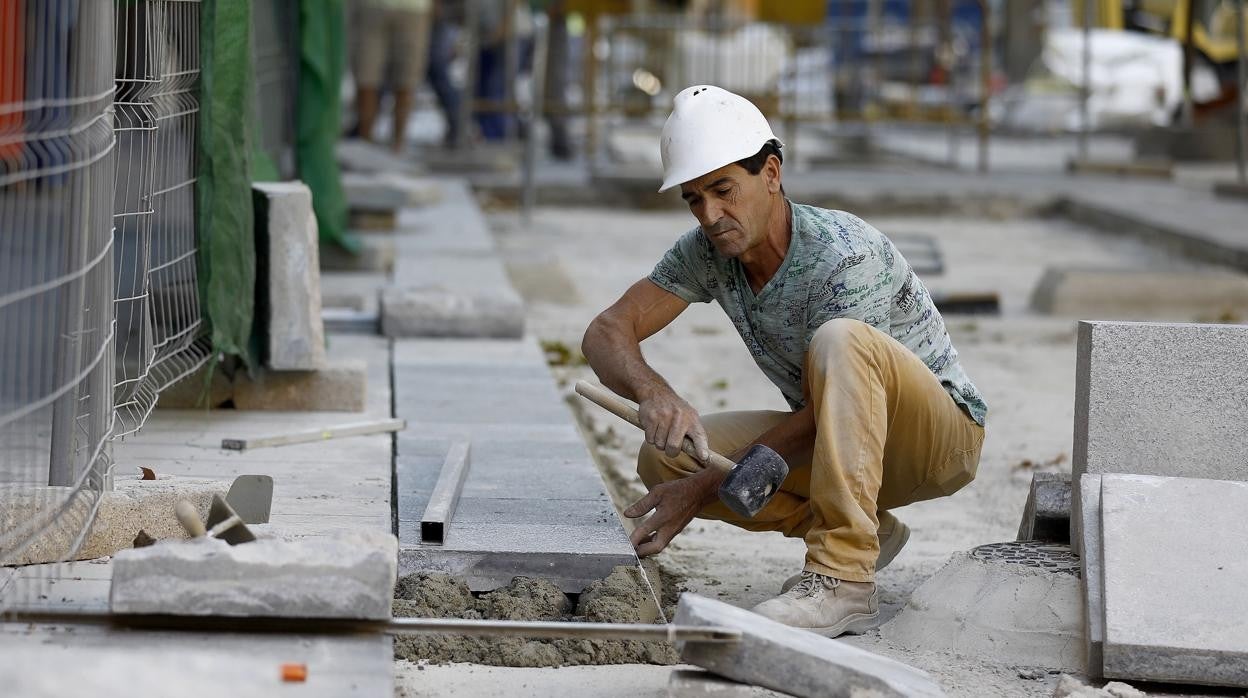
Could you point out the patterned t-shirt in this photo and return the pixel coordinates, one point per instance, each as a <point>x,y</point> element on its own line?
<point>837,266</point>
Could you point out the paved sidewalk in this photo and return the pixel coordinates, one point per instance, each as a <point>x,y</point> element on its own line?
<point>318,488</point>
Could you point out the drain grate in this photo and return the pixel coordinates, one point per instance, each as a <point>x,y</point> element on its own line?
<point>1053,557</point>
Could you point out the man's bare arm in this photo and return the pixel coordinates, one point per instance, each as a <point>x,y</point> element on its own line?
<point>612,344</point>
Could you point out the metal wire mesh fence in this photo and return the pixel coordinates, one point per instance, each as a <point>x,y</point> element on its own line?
<point>160,330</point>
<point>57,149</point>
<point>99,300</point>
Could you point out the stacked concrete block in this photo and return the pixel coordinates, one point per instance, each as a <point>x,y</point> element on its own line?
<point>1160,399</point>
<point>1159,491</point>
<point>286,233</point>
<point>347,575</point>
<point>792,660</point>
<point>439,312</point>
<point>1173,586</point>
<point>1046,516</point>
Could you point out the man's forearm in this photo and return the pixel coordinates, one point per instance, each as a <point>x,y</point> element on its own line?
<point>615,355</point>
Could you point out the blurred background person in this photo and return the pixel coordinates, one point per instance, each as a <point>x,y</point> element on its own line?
<point>392,49</point>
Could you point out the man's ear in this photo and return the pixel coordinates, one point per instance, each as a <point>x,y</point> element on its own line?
<point>771,171</point>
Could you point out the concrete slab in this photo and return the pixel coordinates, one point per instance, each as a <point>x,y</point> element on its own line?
<point>691,683</point>
<point>1160,399</point>
<point>149,664</point>
<point>792,660</point>
<point>511,520</point>
<point>376,254</point>
<point>1046,515</point>
<point>292,333</point>
<point>349,575</point>
<point>1141,294</point>
<point>1092,565</point>
<point>1180,621</point>
<point>990,610</point>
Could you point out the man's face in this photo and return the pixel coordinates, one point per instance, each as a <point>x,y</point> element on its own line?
<point>733,205</point>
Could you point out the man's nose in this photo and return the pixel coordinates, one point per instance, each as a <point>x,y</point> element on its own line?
<point>711,214</point>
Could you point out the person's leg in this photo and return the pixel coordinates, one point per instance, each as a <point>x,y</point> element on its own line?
<point>888,434</point>
<point>372,42</point>
<point>491,84</point>
<point>412,43</point>
<point>727,432</point>
<point>439,75</point>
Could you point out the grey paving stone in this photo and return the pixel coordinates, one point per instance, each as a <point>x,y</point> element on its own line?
<point>792,660</point>
<point>1046,515</point>
<point>1140,293</point>
<point>495,449</point>
<point>1174,584</point>
<point>294,336</point>
<point>436,311</point>
<point>1161,399</point>
<point>1090,558</point>
<point>458,352</point>
<point>480,410</point>
<point>463,273</point>
<point>350,575</point>
<point>691,683</point>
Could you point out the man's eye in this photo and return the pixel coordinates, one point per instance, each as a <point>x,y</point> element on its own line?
<point>722,192</point>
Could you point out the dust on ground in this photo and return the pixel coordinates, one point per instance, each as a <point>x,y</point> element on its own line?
<point>623,597</point>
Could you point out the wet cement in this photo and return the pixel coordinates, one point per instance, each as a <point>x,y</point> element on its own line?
<point>620,598</point>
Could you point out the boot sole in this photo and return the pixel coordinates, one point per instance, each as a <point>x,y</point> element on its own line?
<point>853,624</point>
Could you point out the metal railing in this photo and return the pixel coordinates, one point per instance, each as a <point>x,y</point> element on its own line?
<point>927,66</point>
<point>99,299</point>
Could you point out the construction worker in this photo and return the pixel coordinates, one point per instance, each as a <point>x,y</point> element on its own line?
<point>882,413</point>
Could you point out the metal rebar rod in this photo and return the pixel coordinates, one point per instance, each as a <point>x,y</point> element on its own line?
<point>644,632</point>
<point>563,630</point>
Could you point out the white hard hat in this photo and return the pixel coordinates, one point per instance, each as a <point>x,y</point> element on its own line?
<point>709,128</point>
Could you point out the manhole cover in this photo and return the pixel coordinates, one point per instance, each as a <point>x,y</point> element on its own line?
<point>1053,557</point>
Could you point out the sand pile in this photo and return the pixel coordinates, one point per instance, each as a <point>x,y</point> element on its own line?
<point>620,598</point>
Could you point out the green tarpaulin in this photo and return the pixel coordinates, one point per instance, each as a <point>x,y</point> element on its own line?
<point>227,251</point>
<point>322,59</point>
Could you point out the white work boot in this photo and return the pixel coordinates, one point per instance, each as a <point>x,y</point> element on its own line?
<point>825,605</point>
<point>891,543</point>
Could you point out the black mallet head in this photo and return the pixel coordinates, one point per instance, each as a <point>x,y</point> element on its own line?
<point>753,481</point>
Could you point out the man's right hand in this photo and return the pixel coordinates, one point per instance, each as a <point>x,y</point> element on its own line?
<point>668,419</point>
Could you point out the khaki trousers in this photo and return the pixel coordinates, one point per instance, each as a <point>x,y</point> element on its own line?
<point>887,435</point>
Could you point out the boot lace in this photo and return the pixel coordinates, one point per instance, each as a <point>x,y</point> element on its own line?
<point>812,583</point>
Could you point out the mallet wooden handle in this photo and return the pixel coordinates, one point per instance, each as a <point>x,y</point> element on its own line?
<point>609,402</point>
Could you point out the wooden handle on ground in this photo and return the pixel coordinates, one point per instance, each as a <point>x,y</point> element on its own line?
<point>608,401</point>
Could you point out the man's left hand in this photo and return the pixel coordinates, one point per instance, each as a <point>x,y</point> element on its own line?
<point>674,504</point>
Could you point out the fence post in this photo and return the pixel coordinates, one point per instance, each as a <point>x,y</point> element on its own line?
<point>469,95</point>
<point>1085,89</point>
<point>1241,76</point>
<point>536,108</point>
<point>985,77</point>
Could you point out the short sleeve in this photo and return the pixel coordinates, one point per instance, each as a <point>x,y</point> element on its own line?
<point>684,270</point>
